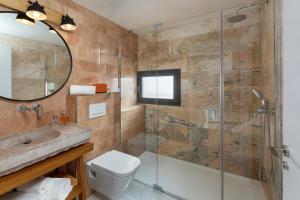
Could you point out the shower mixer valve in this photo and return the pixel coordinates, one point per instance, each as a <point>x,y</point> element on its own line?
<point>265,107</point>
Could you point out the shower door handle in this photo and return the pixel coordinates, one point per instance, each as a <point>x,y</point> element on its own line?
<point>285,150</point>
<point>285,165</point>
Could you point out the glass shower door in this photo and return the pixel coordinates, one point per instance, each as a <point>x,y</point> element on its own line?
<point>178,65</point>
<point>199,124</point>
<point>142,114</point>
<point>249,98</point>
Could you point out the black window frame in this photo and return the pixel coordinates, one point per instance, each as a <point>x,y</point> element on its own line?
<point>176,73</point>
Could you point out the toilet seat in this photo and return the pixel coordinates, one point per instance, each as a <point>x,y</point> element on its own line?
<point>116,163</point>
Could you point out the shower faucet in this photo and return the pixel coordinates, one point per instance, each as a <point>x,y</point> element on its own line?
<point>265,107</point>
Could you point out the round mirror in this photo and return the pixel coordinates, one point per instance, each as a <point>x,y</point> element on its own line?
<point>36,62</point>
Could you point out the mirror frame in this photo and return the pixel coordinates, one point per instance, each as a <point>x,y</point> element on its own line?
<point>71,65</point>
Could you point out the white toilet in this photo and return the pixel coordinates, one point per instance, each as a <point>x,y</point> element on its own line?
<point>111,173</point>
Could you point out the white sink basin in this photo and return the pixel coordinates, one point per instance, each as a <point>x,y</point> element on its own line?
<point>23,149</point>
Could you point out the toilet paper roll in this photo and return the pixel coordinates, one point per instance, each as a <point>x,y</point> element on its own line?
<point>82,90</point>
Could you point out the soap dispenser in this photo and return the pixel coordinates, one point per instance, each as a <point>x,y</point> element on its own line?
<point>54,121</point>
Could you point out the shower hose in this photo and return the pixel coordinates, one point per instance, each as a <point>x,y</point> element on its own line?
<point>265,128</point>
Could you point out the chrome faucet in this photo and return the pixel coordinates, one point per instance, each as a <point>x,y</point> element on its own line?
<point>38,108</point>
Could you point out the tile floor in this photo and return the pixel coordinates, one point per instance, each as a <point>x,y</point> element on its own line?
<point>187,180</point>
<point>195,182</point>
<point>137,191</point>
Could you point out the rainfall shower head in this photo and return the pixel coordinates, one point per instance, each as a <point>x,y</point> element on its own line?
<point>237,18</point>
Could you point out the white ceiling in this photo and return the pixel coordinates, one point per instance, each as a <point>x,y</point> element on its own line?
<point>135,14</point>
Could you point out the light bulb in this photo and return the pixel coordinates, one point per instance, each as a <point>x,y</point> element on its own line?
<point>22,18</point>
<point>36,11</point>
<point>36,14</point>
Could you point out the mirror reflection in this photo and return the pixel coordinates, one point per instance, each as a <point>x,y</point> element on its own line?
<point>35,62</point>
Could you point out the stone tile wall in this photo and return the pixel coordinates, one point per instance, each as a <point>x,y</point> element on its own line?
<point>132,115</point>
<point>133,126</point>
<point>94,47</point>
<point>105,128</point>
<point>243,72</point>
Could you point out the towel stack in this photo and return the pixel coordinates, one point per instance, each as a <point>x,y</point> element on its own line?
<point>42,189</point>
<point>82,90</point>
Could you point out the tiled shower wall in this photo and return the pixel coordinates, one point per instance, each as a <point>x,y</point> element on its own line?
<point>189,132</point>
<point>242,73</point>
<point>133,117</point>
<point>185,132</point>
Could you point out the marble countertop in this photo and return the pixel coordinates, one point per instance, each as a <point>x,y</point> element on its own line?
<point>15,158</point>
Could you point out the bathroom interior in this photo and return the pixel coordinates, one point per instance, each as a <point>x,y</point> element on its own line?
<point>126,100</point>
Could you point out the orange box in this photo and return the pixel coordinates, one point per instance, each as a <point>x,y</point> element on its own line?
<point>101,87</point>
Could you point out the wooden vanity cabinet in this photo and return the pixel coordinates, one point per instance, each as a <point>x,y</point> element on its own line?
<point>25,175</point>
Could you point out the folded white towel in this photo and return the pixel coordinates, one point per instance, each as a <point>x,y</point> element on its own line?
<point>56,188</point>
<point>33,186</point>
<point>25,196</point>
<point>82,90</point>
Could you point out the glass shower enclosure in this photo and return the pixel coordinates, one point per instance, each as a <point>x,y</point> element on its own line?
<point>192,105</point>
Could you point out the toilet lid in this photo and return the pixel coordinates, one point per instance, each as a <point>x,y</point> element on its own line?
<point>116,163</point>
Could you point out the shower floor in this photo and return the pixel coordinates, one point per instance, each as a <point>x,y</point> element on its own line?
<point>194,182</point>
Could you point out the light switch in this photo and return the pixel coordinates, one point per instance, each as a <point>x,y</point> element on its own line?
<point>97,110</point>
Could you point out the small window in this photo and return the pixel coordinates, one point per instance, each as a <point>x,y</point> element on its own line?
<point>159,87</point>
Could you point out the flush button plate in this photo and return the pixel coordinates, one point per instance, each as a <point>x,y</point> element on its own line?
<point>97,110</point>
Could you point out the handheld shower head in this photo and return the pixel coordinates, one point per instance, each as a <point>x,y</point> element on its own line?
<point>265,107</point>
<point>260,96</point>
<point>257,94</point>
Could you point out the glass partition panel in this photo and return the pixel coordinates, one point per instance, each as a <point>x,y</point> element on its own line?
<point>247,91</point>
<point>189,132</point>
<point>138,119</point>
